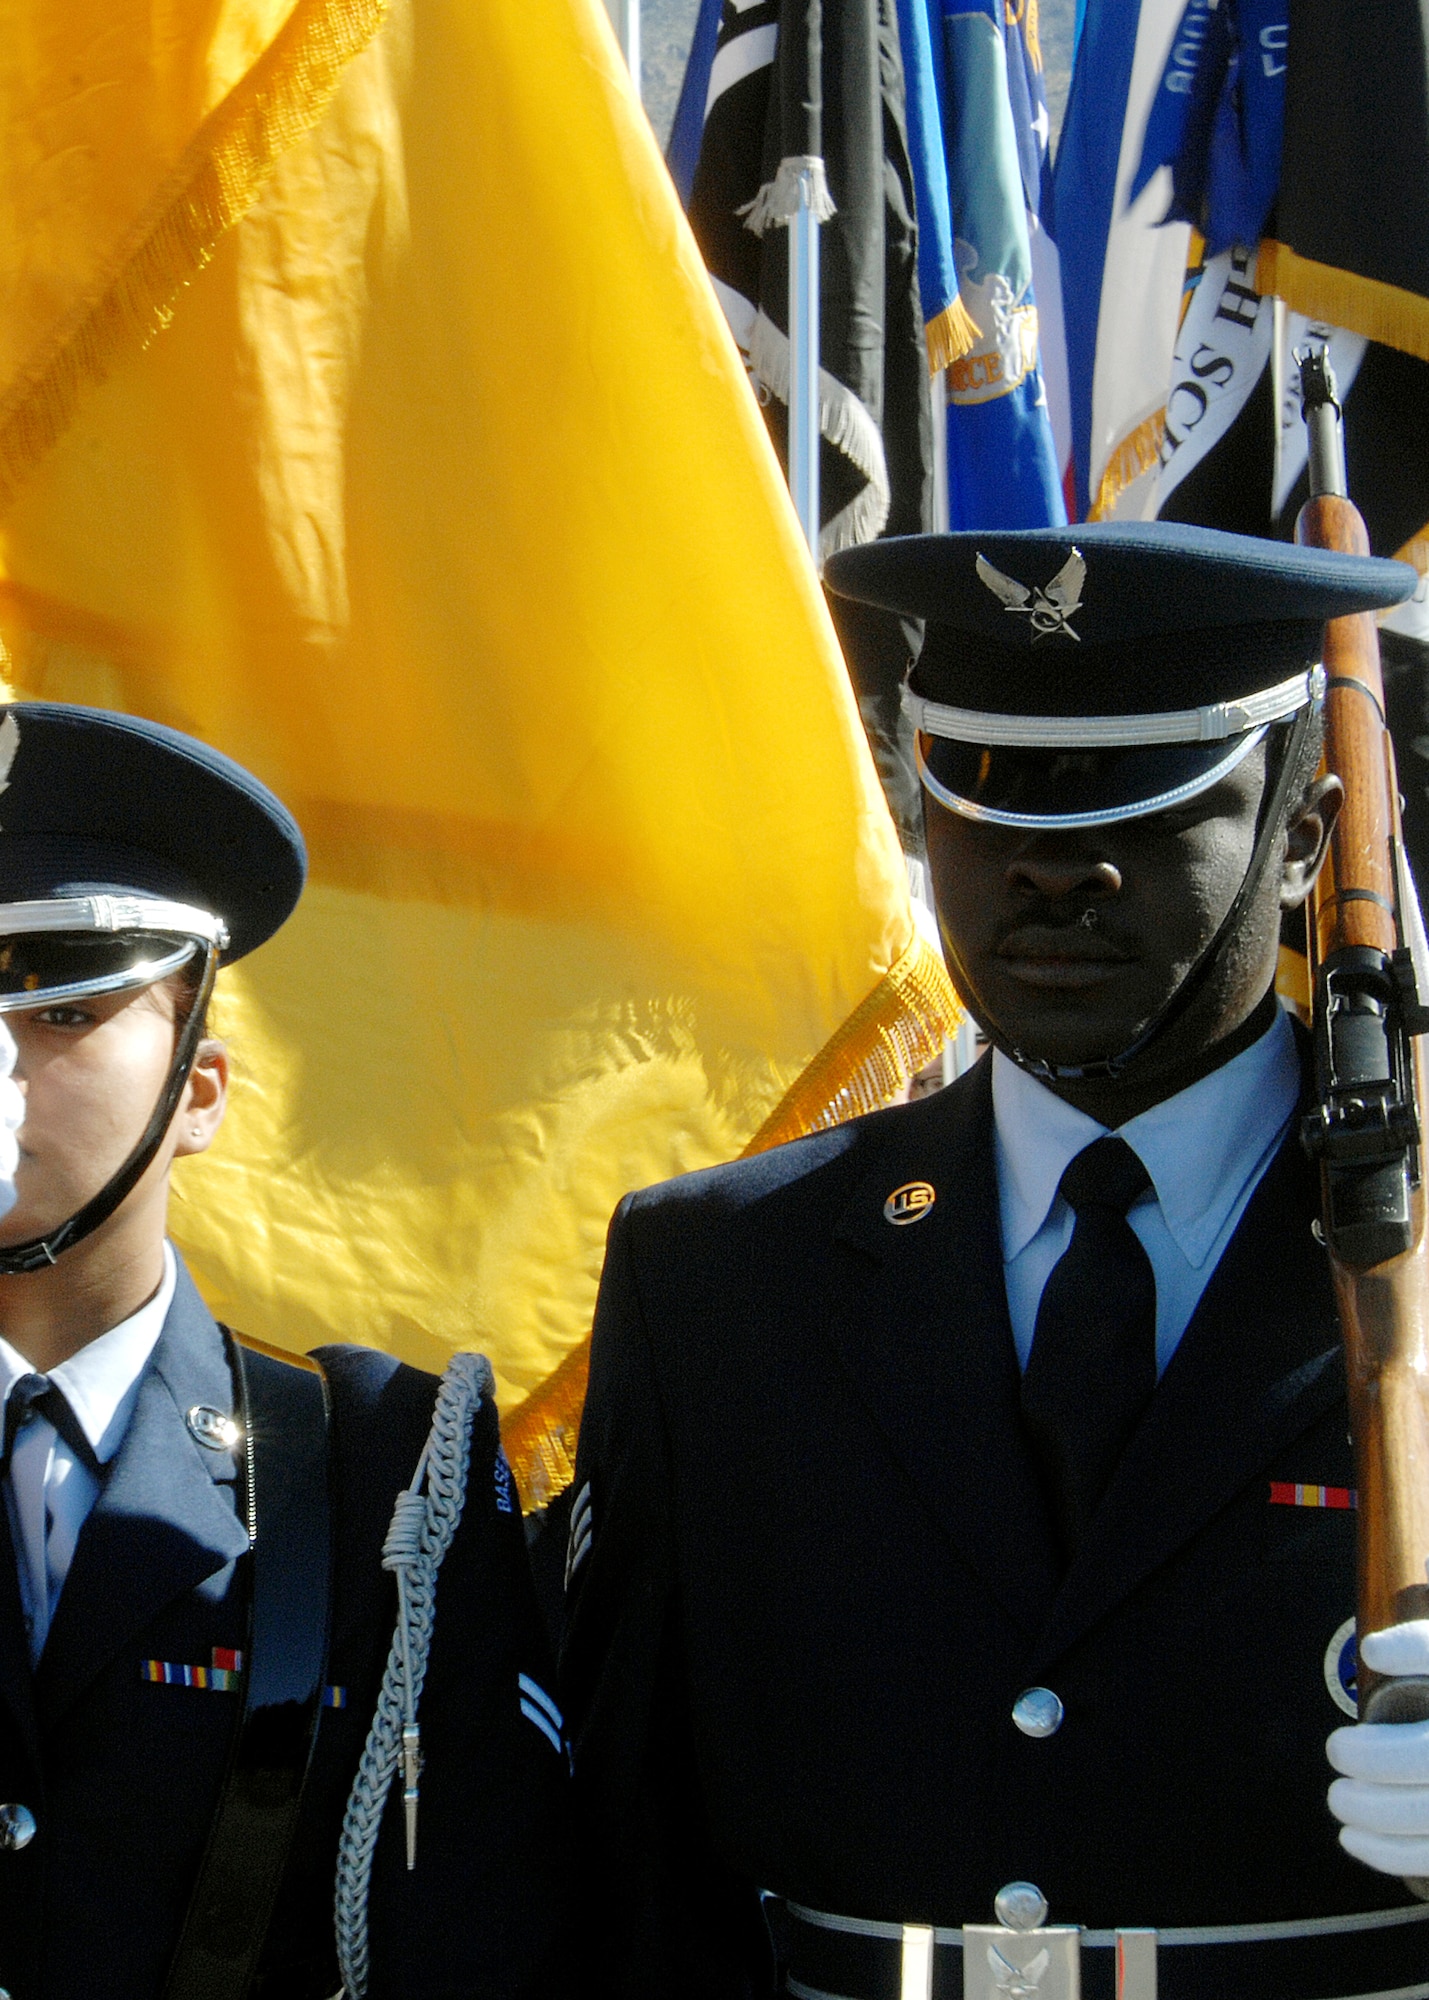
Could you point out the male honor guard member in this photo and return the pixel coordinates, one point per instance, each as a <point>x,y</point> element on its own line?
<point>274,1710</point>
<point>962,1568</point>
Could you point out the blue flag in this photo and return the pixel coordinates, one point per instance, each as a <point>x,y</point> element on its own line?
<point>682,154</point>
<point>1218,118</point>
<point>1002,465</point>
<point>947,329</point>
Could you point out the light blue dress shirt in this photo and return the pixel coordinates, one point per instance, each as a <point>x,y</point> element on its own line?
<point>48,1492</point>
<point>1205,1150</point>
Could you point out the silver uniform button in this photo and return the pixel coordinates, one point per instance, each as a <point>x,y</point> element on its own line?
<point>1038,1712</point>
<point>17,1827</point>
<point>1020,1906</point>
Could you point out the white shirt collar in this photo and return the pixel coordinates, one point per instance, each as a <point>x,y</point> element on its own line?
<point>99,1382</point>
<point>1200,1147</point>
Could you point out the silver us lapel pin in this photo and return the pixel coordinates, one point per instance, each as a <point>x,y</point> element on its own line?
<point>909,1203</point>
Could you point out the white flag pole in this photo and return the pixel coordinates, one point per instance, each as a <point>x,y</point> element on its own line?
<point>804,359</point>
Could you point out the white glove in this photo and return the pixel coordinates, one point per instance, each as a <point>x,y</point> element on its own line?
<point>12,1116</point>
<point>1381,1797</point>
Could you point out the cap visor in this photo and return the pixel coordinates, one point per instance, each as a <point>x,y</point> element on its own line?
<point>41,969</point>
<point>1008,786</point>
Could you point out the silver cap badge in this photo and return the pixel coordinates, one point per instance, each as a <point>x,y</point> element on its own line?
<point>1050,610</point>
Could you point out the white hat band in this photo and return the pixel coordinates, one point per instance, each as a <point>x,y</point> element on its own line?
<point>1211,724</point>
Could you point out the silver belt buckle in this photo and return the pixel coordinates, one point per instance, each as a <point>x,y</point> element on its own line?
<point>1003,1964</point>
<point>1023,1957</point>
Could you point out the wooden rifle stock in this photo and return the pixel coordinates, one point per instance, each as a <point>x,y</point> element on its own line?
<point>1370,1093</point>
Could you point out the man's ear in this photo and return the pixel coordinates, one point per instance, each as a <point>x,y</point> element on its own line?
<point>1307,839</point>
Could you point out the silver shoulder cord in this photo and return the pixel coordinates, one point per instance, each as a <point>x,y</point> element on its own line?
<point>423,1524</point>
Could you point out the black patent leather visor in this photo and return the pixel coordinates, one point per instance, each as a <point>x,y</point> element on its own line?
<point>40,969</point>
<point>1009,785</point>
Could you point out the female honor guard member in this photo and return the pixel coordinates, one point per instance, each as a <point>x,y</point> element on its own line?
<point>194,1608</point>
<point>962,1521</point>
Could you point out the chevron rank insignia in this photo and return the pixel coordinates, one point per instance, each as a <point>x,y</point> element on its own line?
<point>538,1708</point>
<point>578,1547</point>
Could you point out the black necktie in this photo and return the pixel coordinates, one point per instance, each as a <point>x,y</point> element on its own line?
<point>1093,1362</point>
<point>37,1395</point>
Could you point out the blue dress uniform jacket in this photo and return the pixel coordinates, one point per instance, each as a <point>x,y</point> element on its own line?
<point>123,1774</point>
<point>820,1571</point>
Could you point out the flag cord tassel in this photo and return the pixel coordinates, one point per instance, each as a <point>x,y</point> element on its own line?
<point>777,199</point>
<point>901,1025</point>
<point>215,182</point>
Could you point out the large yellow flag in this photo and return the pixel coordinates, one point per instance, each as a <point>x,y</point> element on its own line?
<point>364,410</point>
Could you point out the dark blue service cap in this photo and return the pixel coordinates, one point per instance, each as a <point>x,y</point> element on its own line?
<point>98,804</point>
<point>1075,675</point>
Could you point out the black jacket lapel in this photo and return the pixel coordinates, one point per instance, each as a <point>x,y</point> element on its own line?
<point>1241,1385</point>
<point>166,1518</point>
<point>918,1313</point>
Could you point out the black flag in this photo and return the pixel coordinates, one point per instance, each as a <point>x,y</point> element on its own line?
<point>875,418</point>
<point>1348,241</point>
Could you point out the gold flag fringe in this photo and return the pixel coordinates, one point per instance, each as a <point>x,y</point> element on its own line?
<point>539,1438</point>
<point>216,181</point>
<point>1137,453</point>
<point>1381,312</point>
<point>904,1022</point>
<point>950,335</point>
<point>887,1038</point>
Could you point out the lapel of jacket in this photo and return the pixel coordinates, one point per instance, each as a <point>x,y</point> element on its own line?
<point>17,1686</point>
<point>919,1316</point>
<point>165,1519</point>
<point>1259,1362</point>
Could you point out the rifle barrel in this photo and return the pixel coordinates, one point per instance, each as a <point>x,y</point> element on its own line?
<point>1383,1301</point>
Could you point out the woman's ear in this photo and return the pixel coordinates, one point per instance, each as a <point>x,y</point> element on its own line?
<point>204,1101</point>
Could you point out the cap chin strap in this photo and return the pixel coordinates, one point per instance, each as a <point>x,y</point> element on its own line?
<point>1272,809</point>
<point>41,1251</point>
